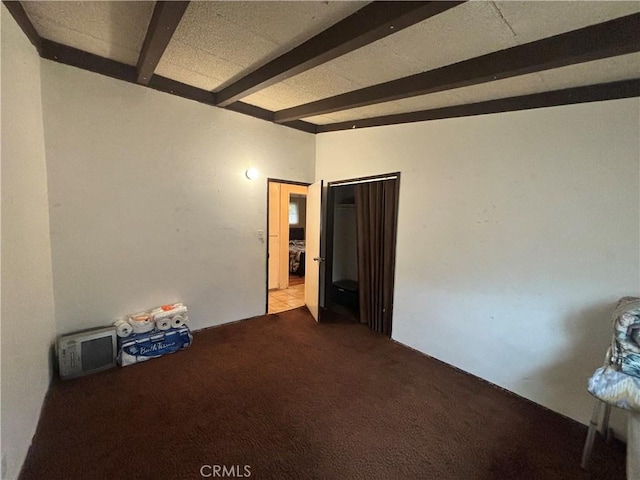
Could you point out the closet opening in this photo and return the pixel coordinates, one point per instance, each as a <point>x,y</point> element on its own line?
<point>286,237</point>
<point>361,227</point>
<point>341,281</point>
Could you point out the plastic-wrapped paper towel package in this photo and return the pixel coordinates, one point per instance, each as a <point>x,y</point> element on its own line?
<point>152,333</point>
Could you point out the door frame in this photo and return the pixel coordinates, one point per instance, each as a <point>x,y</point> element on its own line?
<point>287,182</point>
<point>329,219</point>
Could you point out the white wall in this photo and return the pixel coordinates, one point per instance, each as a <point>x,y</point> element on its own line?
<point>28,328</point>
<point>149,202</point>
<point>517,233</point>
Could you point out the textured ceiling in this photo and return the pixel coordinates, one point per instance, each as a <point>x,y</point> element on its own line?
<point>469,30</point>
<point>216,43</point>
<point>113,30</point>
<point>624,67</point>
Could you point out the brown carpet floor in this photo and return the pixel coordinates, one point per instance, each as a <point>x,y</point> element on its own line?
<point>291,399</point>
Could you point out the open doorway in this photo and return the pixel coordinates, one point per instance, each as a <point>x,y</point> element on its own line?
<point>286,245</point>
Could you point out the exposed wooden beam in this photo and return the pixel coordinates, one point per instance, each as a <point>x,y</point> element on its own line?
<point>20,16</point>
<point>370,23</point>
<point>58,52</point>
<point>78,58</point>
<point>252,110</point>
<point>111,68</point>
<point>164,21</point>
<point>267,115</point>
<point>163,84</point>
<point>591,93</point>
<point>87,61</point>
<point>608,39</point>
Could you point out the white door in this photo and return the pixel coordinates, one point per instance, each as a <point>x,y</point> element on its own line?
<point>312,255</point>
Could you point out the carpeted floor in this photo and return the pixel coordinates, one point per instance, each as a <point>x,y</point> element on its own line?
<point>291,399</point>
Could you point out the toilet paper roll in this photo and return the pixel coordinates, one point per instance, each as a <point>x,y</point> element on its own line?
<point>178,321</point>
<point>123,328</point>
<point>163,324</point>
<point>141,323</point>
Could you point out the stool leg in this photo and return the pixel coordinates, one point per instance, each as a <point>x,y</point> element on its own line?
<point>591,435</point>
<point>606,431</point>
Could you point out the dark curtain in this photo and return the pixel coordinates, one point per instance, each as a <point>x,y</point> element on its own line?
<point>376,212</point>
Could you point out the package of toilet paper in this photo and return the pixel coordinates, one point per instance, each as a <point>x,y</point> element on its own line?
<point>141,322</point>
<point>140,347</point>
<point>170,316</point>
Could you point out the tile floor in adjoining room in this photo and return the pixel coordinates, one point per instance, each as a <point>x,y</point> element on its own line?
<point>288,298</point>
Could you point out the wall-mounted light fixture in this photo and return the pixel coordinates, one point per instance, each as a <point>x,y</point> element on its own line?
<point>252,173</point>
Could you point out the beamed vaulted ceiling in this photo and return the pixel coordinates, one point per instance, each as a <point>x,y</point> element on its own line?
<point>326,66</point>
